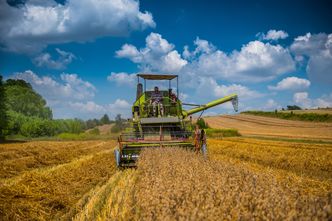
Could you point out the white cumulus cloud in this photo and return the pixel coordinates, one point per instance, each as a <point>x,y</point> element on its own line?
<point>122,78</point>
<point>71,86</point>
<point>291,83</point>
<point>46,60</point>
<point>273,35</point>
<point>33,25</point>
<point>157,55</point>
<point>217,90</point>
<point>120,106</point>
<point>87,107</point>
<point>304,101</point>
<point>310,44</point>
<point>255,62</point>
<point>324,101</point>
<point>271,105</point>
<point>318,49</point>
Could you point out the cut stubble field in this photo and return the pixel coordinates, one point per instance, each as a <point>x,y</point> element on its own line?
<point>244,178</point>
<point>249,125</point>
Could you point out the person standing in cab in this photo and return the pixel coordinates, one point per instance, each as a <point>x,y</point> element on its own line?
<point>156,99</point>
<point>172,96</point>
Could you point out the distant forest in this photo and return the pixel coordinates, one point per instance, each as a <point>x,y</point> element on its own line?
<point>24,112</point>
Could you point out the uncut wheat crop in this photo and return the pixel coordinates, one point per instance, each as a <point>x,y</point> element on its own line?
<point>175,184</point>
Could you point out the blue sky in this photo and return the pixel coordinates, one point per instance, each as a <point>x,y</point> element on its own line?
<point>82,56</point>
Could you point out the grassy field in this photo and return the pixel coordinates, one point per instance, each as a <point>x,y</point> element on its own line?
<point>244,178</point>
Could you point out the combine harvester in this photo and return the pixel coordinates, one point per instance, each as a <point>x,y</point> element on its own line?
<point>159,124</point>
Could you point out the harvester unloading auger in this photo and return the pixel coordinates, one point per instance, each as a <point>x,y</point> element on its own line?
<point>154,125</point>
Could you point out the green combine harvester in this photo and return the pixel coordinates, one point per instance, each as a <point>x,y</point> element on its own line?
<point>159,120</point>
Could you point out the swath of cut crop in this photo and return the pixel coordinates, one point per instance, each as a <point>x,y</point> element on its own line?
<point>16,158</point>
<point>48,194</point>
<point>175,184</point>
<point>112,201</point>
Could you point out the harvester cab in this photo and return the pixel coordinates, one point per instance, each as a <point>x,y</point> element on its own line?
<point>158,119</point>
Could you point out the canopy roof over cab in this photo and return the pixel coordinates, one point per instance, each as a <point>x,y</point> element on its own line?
<point>157,76</point>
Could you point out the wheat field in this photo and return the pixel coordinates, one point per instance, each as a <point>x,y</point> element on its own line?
<point>242,178</point>
<point>250,125</point>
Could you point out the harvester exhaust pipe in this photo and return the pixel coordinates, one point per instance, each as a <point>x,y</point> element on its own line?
<point>139,91</point>
<point>232,97</point>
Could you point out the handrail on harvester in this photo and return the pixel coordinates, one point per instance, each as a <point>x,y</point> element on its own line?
<point>232,97</point>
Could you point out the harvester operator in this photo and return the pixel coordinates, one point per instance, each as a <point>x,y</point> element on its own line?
<point>172,96</point>
<point>156,101</point>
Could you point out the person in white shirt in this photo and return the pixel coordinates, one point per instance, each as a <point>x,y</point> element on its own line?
<point>197,139</point>
<point>156,101</point>
<point>203,143</point>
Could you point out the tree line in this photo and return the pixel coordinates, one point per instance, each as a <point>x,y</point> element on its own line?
<point>25,112</point>
<point>314,117</point>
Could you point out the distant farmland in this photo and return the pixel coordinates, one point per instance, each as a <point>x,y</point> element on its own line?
<point>251,125</point>
<point>316,111</point>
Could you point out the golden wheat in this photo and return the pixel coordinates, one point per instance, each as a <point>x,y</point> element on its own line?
<point>112,201</point>
<point>242,179</point>
<point>16,158</point>
<point>268,126</point>
<point>308,165</point>
<point>49,193</point>
<point>174,184</point>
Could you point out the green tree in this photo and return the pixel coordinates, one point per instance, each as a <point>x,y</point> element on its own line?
<point>15,122</point>
<point>105,120</point>
<point>75,126</point>
<point>94,131</point>
<point>3,111</point>
<point>90,124</point>
<point>119,124</point>
<point>293,107</point>
<point>21,98</point>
